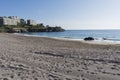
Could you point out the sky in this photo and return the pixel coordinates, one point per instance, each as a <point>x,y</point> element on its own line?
<point>69,14</point>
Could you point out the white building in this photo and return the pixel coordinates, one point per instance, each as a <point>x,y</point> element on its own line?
<point>11,20</point>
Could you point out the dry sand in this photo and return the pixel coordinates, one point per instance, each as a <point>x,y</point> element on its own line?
<point>33,58</point>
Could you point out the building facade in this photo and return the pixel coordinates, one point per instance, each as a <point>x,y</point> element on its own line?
<point>11,20</point>
<point>14,20</point>
<point>31,22</point>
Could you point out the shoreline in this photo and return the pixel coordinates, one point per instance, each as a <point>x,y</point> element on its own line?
<point>102,42</point>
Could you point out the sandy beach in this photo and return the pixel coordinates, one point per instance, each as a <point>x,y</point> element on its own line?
<point>34,58</point>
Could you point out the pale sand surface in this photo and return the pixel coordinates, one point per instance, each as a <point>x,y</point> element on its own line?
<point>33,58</point>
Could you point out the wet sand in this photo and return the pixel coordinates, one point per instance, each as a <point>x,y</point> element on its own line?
<point>34,58</point>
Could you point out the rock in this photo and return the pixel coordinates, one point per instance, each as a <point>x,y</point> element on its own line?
<point>104,38</point>
<point>88,38</point>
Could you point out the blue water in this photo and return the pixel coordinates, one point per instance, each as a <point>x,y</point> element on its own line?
<point>81,34</point>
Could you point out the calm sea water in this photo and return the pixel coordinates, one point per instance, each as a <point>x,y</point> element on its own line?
<point>81,34</point>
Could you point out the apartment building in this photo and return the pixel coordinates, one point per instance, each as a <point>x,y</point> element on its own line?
<point>11,20</point>
<point>14,20</point>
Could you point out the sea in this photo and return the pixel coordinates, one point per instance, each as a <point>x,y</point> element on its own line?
<point>113,35</point>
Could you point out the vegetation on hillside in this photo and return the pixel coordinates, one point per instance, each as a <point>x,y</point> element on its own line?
<point>30,28</point>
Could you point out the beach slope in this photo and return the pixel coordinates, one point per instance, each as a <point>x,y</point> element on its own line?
<point>40,58</point>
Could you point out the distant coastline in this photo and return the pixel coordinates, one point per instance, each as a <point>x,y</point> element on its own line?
<point>20,29</point>
<point>14,24</point>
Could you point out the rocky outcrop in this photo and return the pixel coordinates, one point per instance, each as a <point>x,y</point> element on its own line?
<point>88,38</point>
